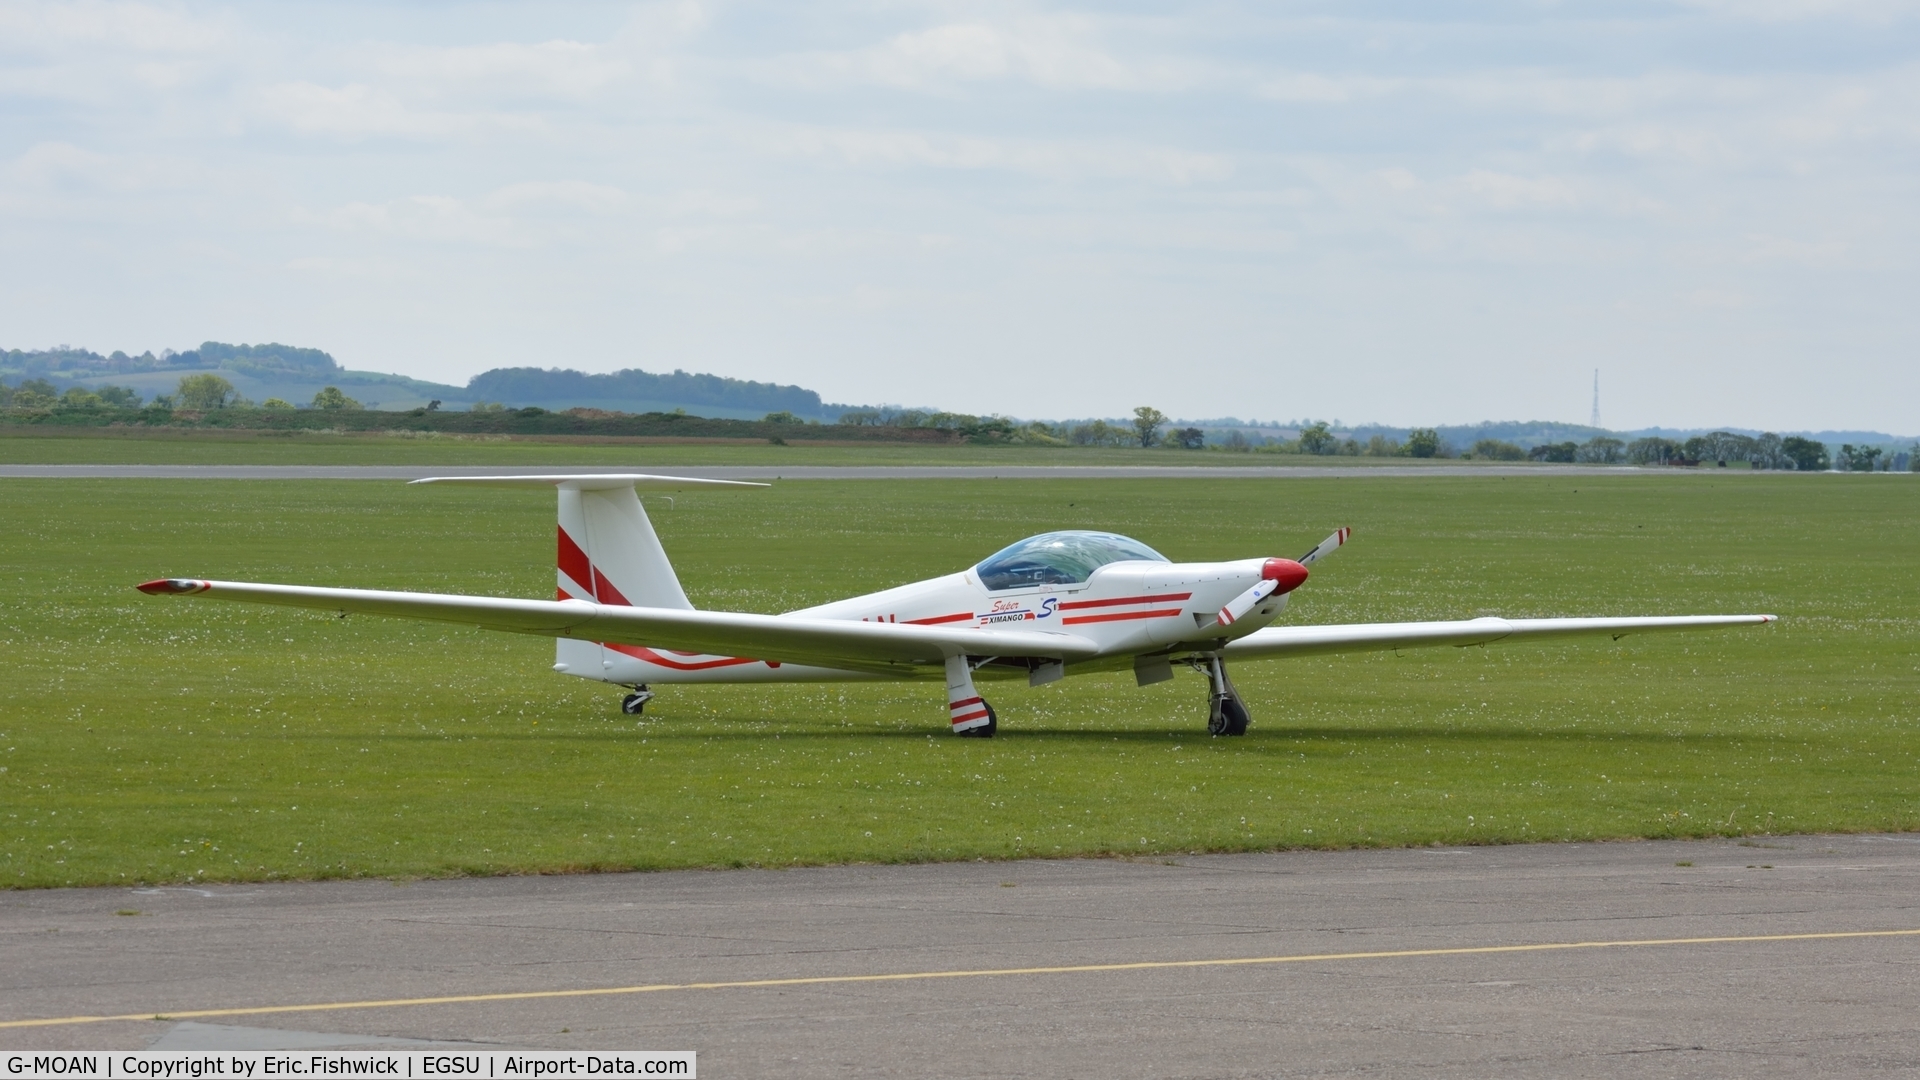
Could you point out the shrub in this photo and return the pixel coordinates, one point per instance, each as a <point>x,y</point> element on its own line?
<point>205,392</point>
<point>331,398</point>
<point>1423,443</point>
<point>1497,450</point>
<point>1600,450</point>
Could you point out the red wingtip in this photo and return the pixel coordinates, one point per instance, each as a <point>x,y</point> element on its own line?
<point>1287,574</point>
<point>167,586</point>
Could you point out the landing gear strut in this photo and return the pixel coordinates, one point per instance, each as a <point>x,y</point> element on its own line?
<point>1226,713</point>
<point>968,712</point>
<point>633,703</point>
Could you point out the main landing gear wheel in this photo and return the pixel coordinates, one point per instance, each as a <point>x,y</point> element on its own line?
<point>633,703</point>
<point>1228,716</point>
<point>986,730</point>
<point>1226,713</point>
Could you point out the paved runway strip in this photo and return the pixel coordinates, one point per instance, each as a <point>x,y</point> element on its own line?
<point>1766,956</point>
<point>806,472</point>
<point>821,980</point>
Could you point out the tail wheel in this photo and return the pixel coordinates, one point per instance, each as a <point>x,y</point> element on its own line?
<point>635,702</point>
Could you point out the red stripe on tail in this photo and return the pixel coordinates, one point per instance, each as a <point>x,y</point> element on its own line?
<point>573,561</point>
<point>604,590</point>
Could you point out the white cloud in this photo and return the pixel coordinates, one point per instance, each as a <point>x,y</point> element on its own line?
<point>358,110</point>
<point>1504,191</point>
<point>1869,11</point>
<point>36,26</point>
<point>1052,52</point>
<point>61,163</point>
<point>524,215</point>
<point>1116,189</point>
<point>1055,159</point>
<point>1055,51</point>
<point>1313,88</point>
<point>1717,299</point>
<point>557,69</point>
<point>108,53</point>
<point>1765,249</point>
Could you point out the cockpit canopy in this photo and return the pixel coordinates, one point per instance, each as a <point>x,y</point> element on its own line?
<point>1060,558</point>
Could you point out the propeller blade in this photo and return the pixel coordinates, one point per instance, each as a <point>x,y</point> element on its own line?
<point>1245,602</point>
<point>1276,575</point>
<point>1325,547</point>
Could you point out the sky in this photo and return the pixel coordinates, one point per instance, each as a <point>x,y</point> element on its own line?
<point>1401,212</point>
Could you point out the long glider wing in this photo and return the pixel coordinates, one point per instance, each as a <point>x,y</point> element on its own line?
<point>1281,641</point>
<point>818,642</point>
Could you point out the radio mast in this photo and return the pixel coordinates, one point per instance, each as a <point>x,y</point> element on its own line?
<point>1595,422</point>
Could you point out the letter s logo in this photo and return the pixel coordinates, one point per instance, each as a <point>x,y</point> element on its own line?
<point>1047,606</point>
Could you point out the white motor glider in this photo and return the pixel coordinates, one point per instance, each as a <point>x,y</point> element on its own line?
<point>1052,605</point>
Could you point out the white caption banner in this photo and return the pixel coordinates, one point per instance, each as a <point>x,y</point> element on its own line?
<point>347,1064</point>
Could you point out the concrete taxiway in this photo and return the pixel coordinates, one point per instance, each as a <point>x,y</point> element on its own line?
<point>807,472</point>
<point>1763,957</point>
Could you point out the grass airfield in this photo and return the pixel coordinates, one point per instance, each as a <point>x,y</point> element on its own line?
<point>154,740</point>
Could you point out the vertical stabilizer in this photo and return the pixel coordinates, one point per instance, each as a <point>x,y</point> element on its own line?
<point>609,552</point>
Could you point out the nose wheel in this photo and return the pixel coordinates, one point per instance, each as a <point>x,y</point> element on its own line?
<point>635,702</point>
<point>1226,713</point>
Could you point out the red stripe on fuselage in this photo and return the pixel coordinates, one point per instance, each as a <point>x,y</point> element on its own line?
<point>641,652</point>
<point>1116,616</point>
<point>940,619</point>
<point>1118,601</point>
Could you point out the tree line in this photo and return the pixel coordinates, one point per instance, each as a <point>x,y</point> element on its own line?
<point>267,357</point>
<point>197,393</point>
<point>206,393</point>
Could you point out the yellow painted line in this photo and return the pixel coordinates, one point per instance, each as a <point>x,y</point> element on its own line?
<point>906,976</point>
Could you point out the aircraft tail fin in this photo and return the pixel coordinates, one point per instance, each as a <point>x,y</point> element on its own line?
<point>608,552</point>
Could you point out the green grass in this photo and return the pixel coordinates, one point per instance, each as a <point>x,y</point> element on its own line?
<point>154,739</point>
<point>134,446</point>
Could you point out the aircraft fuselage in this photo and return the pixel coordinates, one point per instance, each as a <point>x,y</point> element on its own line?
<point>1128,609</point>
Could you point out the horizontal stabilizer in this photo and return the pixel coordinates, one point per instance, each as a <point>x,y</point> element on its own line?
<point>591,481</point>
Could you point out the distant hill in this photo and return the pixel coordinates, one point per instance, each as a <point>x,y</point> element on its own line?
<point>295,374</point>
<point>259,372</point>
<point>636,391</point>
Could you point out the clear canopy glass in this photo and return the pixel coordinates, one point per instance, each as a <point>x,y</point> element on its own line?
<point>1060,558</point>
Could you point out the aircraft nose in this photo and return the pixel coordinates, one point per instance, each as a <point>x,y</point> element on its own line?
<point>1288,574</point>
